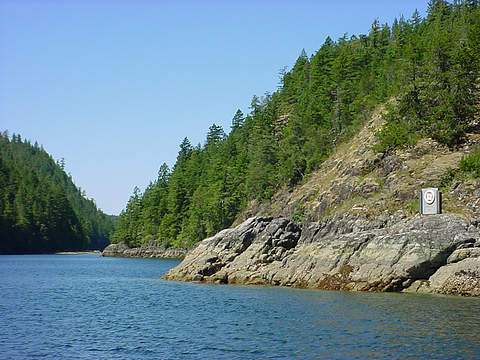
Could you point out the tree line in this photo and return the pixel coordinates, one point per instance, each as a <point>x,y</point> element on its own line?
<point>428,66</point>
<point>41,209</point>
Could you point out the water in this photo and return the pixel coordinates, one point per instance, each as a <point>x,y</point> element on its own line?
<point>89,307</point>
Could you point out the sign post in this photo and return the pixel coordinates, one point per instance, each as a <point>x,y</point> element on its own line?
<point>430,201</point>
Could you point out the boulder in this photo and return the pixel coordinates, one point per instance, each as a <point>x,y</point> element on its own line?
<point>115,250</point>
<point>459,278</point>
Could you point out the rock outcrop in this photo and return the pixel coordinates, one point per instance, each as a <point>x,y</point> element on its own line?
<point>436,254</point>
<point>462,278</point>
<point>160,252</point>
<point>354,225</point>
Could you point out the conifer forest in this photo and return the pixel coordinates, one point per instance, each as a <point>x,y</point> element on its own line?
<point>425,69</point>
<point>41,209</point>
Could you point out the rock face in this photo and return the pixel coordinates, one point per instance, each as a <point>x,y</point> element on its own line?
<point>360,228</point>
<point>437,254</point>
<point>160,252</point>
<point>462,278</point>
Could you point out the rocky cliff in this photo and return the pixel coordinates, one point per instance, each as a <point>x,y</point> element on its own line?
<point>438,253</point>
<point>354,225</point>
<point>160,252</point>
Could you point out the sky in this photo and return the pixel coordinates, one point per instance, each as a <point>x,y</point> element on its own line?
<point>113,86</point>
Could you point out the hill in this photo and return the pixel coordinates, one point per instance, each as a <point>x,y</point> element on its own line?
<point>321,180</point>
<point>424,71</point>
<point>355,225</point>
<point>361,184</point>
<point>41,209</point>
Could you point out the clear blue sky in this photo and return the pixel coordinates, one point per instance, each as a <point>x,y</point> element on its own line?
<point>113,86</point>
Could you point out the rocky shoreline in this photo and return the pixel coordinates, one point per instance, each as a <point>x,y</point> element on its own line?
<point>158,252</point>
<point>85,252</point>
<point>427,254</point>
<point>356,226</point>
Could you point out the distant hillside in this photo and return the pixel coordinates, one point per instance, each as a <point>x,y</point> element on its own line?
<point>41,209</point>
<point>427,71</point>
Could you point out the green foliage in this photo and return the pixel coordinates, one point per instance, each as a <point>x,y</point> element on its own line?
<point>40,207</point>
<point>412,206</point>
<point>447,180</point>
<point>395,133</point>
<point>471,163</point>
<point>439,88</point>
<point>299,214</point>
<point>429,65</point>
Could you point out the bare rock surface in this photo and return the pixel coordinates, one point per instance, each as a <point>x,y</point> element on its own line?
<point>460,278</point>
<point>160,252</point>
<point>435,254</point>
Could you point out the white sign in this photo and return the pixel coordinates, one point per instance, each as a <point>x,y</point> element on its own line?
<point>430,201</point>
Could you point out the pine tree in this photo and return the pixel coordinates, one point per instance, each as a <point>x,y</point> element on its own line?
<point>238,119</point>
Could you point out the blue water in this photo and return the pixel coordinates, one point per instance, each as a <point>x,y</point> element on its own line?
<point>89,307</point>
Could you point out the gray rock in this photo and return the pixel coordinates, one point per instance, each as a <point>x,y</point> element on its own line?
<point>462,254</point>
<point>367,187</point>
<point>115,250</point>
<point>390,163</point>
<point>460,278</point>
<point>160,252</point>
<point>327,255</point>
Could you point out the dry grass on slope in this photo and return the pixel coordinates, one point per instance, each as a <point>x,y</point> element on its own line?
<point>357,180</point>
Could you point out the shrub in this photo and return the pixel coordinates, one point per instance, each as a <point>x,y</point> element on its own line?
<point>396,134</point>
<point>471,162</point>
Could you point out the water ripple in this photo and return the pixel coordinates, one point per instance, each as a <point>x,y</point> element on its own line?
<point>88,307</point>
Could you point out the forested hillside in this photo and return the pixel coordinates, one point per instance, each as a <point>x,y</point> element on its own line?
<point>428,68</point>
<point>41,209</point>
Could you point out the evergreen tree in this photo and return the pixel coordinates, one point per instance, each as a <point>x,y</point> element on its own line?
<point>40,207</point>
<point>238,119</point>
<point>430,67</point>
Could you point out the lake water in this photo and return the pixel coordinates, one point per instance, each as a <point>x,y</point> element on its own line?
<point>89,307</point>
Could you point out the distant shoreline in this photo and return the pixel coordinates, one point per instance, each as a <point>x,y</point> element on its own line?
<point>157,252</point>
<point>79,252</point>
<point>98,252</point>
